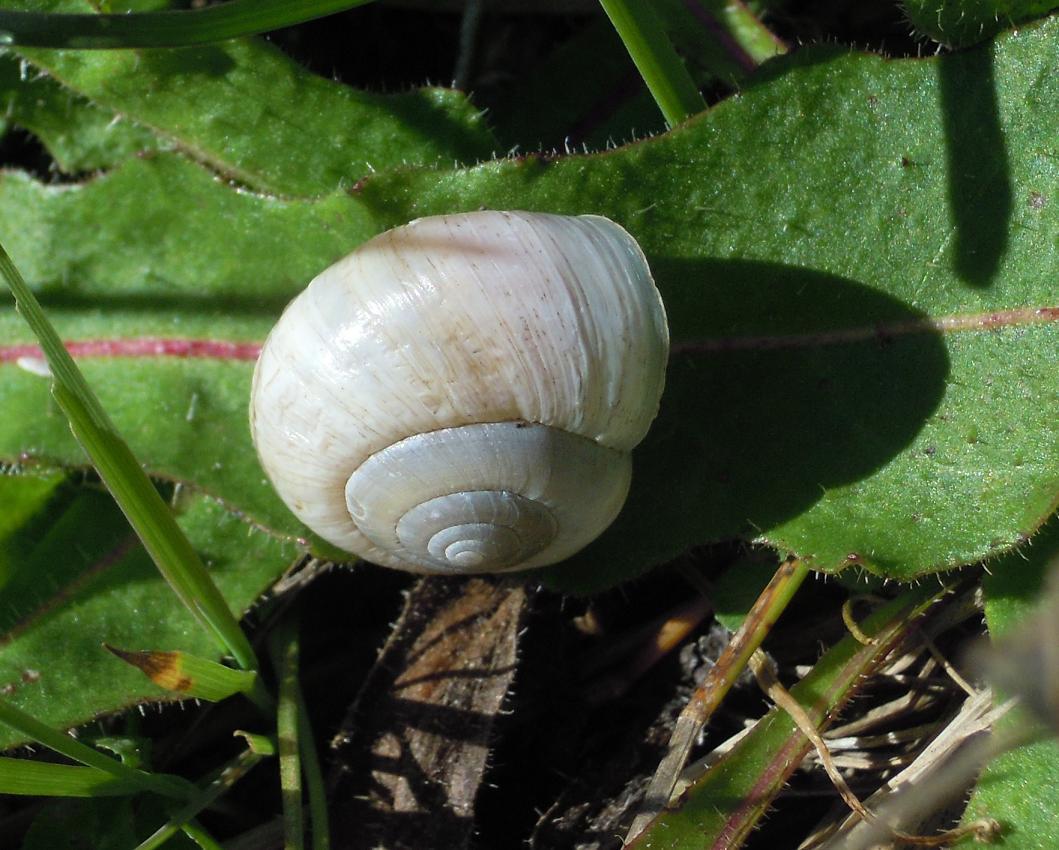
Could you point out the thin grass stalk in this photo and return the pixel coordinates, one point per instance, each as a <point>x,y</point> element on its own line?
<point>283,647</point>
<point>184,818</point>
<point>123,476</point>
<point>662,69</point>
<point>60,742</point>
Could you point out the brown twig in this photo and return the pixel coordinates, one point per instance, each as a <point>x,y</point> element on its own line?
<point>766,610</point>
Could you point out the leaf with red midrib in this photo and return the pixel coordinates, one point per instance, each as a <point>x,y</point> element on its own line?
<point>856,259</point>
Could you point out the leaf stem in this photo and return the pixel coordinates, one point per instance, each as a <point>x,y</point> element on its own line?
<point>174,28</point>
<point>658,63</point>
<point>123,476</point>
<point>738,31</point>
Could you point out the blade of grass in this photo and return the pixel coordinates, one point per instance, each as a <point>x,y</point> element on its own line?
<point>652,52</point>
<point>771,602</point>
<point>188,674</point>
<point>283,647</point>
<point>164,784</point>
<point>41,779</point>
<point>724,805</point>
<point>226,778</point>
<point>137,497</point>
<point>319,825</point>
<point>176,28</point>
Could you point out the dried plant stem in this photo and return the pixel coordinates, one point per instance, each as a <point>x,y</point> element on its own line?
<point>851,623</point>
<point>765,673</point>
<point>772,601</point>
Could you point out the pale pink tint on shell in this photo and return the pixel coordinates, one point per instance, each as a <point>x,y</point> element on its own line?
<point>453,321</point>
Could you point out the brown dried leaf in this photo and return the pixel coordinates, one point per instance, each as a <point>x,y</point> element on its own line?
<point>413,750</point>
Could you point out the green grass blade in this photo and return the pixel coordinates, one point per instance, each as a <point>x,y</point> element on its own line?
<point>176,28</point>
<point>189,675</point>
<point>315,788</point>
<point>722,807</point>
<point>152,520</point>
<point>183,819</point>
<point>170,786</point>
<point>297,742</point>
<point>40,779</point>
<point>658,63</point>
<point>283,647</point>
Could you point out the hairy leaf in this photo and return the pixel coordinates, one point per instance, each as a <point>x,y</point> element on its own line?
<point>962,22</point>
<point>255,116</point>
<point>1018,788</point>
<point>79,135</point>
<point>87,582</point>
<point>857,257</point>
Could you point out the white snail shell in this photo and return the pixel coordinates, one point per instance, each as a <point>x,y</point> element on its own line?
<point>461,394</point>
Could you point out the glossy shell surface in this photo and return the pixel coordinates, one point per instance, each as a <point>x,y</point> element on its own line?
<point>547,329</point>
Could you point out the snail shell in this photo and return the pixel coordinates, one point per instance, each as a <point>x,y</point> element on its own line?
<point>461,394</point>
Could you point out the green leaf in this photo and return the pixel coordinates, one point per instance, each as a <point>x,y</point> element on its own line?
<point>1018,787</point>
<point>96,824</point>
<point>189,675</point>
<point>1015,585</point>
<point>87,582</point>
<point>27,507</point>
<point>857,260</point>
<point>1018,790</point>
<point>99,824</point>
<point>721,808</point>
<point>79,135</point>
<point>40,779</point>
<point>256,117</point>
<point>738,588</point>
<point>187,422</point>
<point>137,497</point>
<point>169,28</point>
<point>962,22</point>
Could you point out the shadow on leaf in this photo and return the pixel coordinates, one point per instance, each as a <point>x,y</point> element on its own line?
<point>980,193</point>
<point>789,383</point>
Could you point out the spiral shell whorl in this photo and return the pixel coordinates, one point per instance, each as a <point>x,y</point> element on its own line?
<point>486,497</point>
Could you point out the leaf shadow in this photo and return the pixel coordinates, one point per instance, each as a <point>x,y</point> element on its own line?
<point>202,61</point>
<point>980,193</point>
<point>791,383</point>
